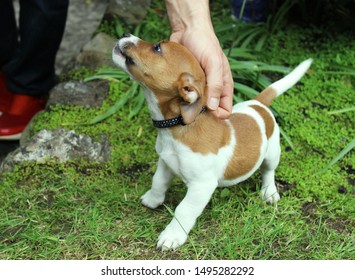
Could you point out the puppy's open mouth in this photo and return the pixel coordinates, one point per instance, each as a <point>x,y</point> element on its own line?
<point>120,52</point>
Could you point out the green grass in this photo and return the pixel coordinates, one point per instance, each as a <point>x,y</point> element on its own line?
<point>81,210</point>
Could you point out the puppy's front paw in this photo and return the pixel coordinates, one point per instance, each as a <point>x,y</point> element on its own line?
<point>171,238</point>
<point>151,200</point>
<point>270,195</point>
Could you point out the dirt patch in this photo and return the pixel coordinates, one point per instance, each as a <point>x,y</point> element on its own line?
<point>47,198</point>
<point>284,186</point>
<point>7,235</point>
<point>308,209</point>
<point>351,181</point>
<point>88,168</point>
<point>351,178</point>
<point>132,170</point>
<point>340,224</point>
<point>342,189</point>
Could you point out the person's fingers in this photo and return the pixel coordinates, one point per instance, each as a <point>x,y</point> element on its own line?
<point>226,99</point>
<point>214,75</point>
<point>228,86</point>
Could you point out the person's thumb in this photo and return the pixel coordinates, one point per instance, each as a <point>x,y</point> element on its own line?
<point>214,87</point>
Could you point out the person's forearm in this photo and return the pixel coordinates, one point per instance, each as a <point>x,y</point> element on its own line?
<point>188,14</point>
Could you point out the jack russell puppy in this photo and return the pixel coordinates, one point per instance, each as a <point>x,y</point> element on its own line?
<point>204,151</point>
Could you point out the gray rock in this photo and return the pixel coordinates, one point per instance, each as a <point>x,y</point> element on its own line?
<point>101,42</point>
<point>90,94</point>
<point>83,19</point>
<point>28,132</point>
<point>92,60</point>
<point>97,52</point>
<point>58,145</point>
<point>132,11</point>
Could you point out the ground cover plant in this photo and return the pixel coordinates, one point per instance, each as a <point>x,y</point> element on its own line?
<point>81,210</point>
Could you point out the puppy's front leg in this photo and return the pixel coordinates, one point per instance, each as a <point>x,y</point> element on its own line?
<point>186,213</point>
<point>161,182</point>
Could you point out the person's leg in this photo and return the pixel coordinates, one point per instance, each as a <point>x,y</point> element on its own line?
<point>30,72</point>
<point>42,24</point>
<point>8,31</point>
<point>8,45</point>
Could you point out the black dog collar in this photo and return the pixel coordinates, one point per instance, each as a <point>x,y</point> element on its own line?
<point>172,122</point>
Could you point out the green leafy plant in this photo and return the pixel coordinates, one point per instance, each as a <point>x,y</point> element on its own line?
<point>346,149</point>
<point>134,94</point>
<point>255,35</point>
<point>339,156</point>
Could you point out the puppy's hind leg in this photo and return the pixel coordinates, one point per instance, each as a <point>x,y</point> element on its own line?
<point>268,189</point>
<point>161,182</point>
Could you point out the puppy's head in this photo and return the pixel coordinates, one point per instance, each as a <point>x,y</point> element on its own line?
<point>168,70</point>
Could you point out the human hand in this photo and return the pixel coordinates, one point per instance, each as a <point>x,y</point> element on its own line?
<point>205,47</point>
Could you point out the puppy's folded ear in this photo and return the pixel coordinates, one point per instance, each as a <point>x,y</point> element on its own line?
<point>191,91</point>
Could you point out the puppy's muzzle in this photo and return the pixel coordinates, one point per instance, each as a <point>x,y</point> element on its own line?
<point>122,45</point>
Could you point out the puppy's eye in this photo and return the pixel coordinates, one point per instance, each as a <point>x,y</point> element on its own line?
<point>157,47</point>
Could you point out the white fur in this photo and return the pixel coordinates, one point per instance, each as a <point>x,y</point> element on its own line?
<point>119,59</point>
<point>152,103</point>
<point>203,173</point>
<point>292,78</point>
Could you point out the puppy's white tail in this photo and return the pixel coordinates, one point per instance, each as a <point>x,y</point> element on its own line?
<point>280,86</point>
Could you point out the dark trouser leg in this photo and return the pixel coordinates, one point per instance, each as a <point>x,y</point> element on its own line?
<point>31,69</point>
<point>8,31</point>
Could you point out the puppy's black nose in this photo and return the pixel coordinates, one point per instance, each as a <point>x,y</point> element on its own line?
<point>126,35</point>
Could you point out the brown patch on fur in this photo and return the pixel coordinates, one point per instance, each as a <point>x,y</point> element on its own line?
<point>268,120</point>
<point>247,150</point>
<point>266,96</point>
<point>207,134</point>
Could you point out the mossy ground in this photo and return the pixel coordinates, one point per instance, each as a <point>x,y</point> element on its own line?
<point>83,210</point>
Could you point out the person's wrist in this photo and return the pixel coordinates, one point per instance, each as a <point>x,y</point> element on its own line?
<point>188,14</point>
